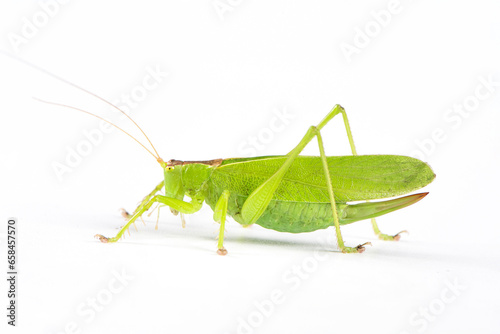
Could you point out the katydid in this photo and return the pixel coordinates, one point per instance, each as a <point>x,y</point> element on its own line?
<point>287,193</point>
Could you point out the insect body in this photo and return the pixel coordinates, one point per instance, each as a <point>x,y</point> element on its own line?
<point>301,201</point>
<point>291,193</point>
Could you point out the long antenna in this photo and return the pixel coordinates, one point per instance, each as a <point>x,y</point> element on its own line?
<point>84,90</point>
<point>91,114</point>
<point>112,105</point>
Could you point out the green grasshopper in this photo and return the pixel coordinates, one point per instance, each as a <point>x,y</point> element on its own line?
<point>286,193</point>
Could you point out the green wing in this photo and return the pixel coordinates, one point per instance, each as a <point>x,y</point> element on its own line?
<point>361,177</point>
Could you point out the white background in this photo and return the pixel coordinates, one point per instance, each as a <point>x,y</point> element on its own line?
<point>229,71</point>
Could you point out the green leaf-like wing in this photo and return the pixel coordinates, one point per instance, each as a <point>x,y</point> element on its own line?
<point>361,177</point>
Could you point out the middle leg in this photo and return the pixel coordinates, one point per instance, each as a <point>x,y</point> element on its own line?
<point>220,213</point>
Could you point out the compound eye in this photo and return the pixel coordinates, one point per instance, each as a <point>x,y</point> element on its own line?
<point>170,167</point>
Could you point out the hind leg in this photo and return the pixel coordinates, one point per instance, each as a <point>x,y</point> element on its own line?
<point>380,235</point>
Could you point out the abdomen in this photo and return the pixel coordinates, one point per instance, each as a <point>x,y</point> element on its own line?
<point>293,217</point>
